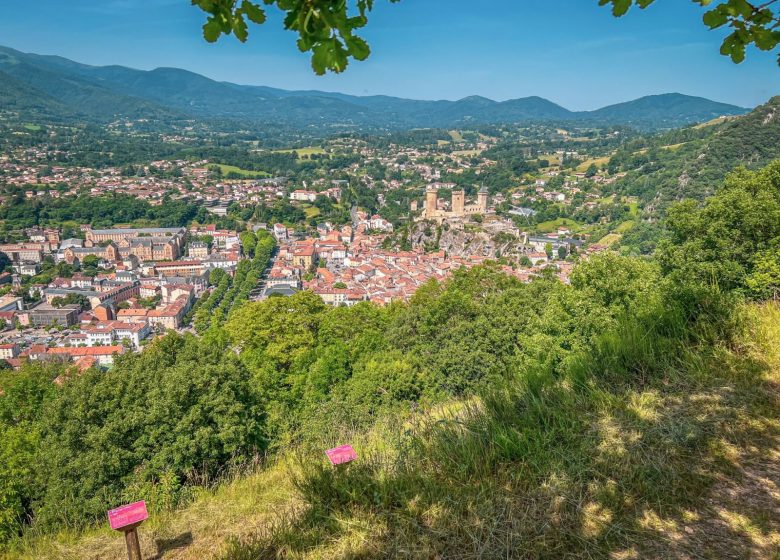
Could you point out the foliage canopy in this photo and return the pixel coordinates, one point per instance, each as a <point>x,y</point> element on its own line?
<point>326,29</point>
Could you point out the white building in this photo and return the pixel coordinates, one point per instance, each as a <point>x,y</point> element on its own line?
<point>303,195</point>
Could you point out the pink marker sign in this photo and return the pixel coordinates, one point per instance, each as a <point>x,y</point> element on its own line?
<point>339,455</point>
<point>125,516</point>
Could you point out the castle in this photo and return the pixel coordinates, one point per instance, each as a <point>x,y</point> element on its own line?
<point>458,207</point>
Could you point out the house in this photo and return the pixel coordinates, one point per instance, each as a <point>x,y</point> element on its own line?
<point>197,250</point>
<point>280,231</point>
<point>34,352</point>
<point>46,315</point>
<point>226,261</point>
<point>11,303</point>
<point>281,289</point>
<point>132,315</point>
<point>303,256</point>
<point>131,332</point>
<point>25,252</point>
<point>303,195</point>
<point>110,332</point>
<point>170,316</point>
<point>27,268</point>
<point>103,355</point>
<point>8,351</point>
<point>179,268</point>
<point>378,223</point>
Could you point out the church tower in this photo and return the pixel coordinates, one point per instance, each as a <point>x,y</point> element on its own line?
<point>458,202</point>
<point>482,199</point>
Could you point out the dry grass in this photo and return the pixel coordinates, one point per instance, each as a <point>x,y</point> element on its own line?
<point>554,159</point>
<point>717,120</point>
<point>598,162</point>
<point>300,152</point>
<point>455,135</point>
<point>681,462</point>
<point>311,211</point>
<point>243,172</point>
<point>609,239</point>
<point>236,509</point>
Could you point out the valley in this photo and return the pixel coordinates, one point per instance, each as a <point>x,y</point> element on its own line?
<point>544,333</point>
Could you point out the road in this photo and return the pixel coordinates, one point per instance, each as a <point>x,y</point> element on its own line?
<point>257,291</point>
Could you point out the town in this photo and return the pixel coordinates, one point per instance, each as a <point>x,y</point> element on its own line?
<point>117,287</point>
<point>352,222</point>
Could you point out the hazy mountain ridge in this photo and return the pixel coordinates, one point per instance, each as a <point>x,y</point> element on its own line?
<point>67,93</point>
<point>66,88</point>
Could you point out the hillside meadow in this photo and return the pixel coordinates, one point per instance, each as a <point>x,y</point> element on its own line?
<point>681,462</point>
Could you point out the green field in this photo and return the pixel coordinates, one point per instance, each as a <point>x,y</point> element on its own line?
<point>243,172</point>
<point>311,211</point>
<point>588,162</point>
<point>456,135</point>
<point>553,225</point>
<point>609,239</point>
<point>554,159</point>
<point>32,127</point>
<point>617,234</point>
<point>633,205</point>
<point>301,152</point>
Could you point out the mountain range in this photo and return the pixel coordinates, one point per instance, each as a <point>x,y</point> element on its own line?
<point>55,87</point>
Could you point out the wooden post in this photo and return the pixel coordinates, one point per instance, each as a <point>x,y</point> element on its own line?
<point>133,544</point>
<point>127,518</point>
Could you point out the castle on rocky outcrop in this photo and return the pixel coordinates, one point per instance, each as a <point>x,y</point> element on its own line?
<point>458,207</point>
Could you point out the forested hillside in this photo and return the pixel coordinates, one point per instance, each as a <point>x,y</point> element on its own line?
<point>692,162</point>
<point>586,419</point>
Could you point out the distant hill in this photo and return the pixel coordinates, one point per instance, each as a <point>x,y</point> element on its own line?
<point>668,109</point>
<point>64,88</point>
<point>60,91</point>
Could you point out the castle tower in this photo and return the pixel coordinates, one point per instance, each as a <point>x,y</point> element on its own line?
<point>458,202</point>
<point>431,194</point>
<point>482,201</point>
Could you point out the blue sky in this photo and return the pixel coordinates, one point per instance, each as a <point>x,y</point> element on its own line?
<point>572,52</point>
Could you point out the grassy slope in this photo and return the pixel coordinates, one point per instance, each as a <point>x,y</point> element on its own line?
<point>245,172</point>
<point>552,225</point>
<point>456,135</point>
<point>300,152</point>
<point>680,461</point>
<point>583,167</point>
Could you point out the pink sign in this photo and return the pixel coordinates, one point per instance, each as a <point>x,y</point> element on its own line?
<point>131,514</point>
<point>343,454</point>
